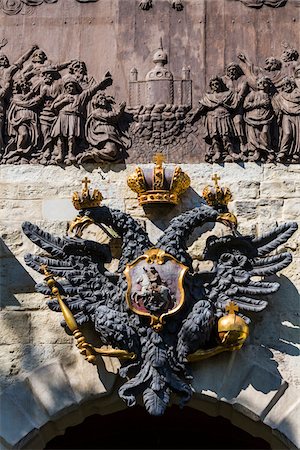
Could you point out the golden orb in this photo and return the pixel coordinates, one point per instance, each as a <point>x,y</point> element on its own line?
<point>232,330</point>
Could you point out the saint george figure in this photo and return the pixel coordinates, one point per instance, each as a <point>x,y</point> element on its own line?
<point>68,129</point>
<point>259,118</point>
<point>103,132</point>
<point>287,105</point>
<point>23,125</point>
<point>218,106</point>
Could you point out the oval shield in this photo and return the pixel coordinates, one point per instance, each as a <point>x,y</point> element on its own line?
<point>155,286</point>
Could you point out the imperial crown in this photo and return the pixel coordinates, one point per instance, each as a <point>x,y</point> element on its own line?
<point>217,196</point>
<point>159,184</point>
<point>85,199</point>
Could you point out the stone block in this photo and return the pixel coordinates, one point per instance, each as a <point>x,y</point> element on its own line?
<point>58,209</point>
<point>46,328</point>
<point>291,209</point>
<point>281,172</point>
<point>15,327</point>
<point>280,189</point>
<point>244,190</point>
<point>51,386</point>
<point>22,209</point>
<point>24,398</point>
<point>90,381</point>
<point>232,173</point>
<point>15,424</point>
<point>284,415</point>
<point>245,209</point>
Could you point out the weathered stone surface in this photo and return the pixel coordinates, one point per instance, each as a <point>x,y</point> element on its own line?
<point>282,415</point>
<point>58,209</point>
<point>291,209</point>
<point>51,386</point>
<point>15,327</point>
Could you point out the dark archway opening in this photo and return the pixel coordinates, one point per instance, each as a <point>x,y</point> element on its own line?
<point>134,428</point>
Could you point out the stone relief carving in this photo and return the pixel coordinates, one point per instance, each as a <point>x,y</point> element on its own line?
<point>155,311</point>
<point>252,112</point>
<point>53,113</point>
<point>161,107</point>
<point>148,4</point>
<point>260,3</point>
<point>12,7</point>
<point>48,117</point>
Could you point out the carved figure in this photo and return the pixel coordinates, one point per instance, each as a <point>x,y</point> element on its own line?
<point>49,91</point>
<point>287,104</point>
<point>157,346</point>
<point>219,105</point>
<point>4,90</point>
<point>290,58</point>
<point>235,81</point>
<point>23,125</point>
<point>40,62</point>
<point>260,3</point>
<point>259,118</point>
<point>103,132</point>
<point>68,129</point>
<point>272,70</point>
<point>78,70</point>
<point>14,7</point>
<point>147,4</point>
<point>7,71</point>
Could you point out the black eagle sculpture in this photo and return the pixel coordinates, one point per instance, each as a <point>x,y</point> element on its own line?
<point>95,295</point>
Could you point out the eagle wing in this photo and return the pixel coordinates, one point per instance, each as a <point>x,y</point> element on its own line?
<point>79,264</point>
<point>237,259</point>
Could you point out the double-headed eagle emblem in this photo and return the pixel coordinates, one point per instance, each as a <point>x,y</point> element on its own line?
<point>156,313</point>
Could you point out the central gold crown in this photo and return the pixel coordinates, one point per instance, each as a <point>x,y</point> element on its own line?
<point>217,196</point>
<point>159,184</point>
<point>85,199</point>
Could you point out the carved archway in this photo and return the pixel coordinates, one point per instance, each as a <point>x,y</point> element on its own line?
<point>54,397</point>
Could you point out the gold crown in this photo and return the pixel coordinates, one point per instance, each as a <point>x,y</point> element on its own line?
<point>159,184</point>
<point>85,199</point>
<point>217,196</point>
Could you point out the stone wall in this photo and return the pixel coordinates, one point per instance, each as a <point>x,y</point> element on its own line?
<point>30,334</point>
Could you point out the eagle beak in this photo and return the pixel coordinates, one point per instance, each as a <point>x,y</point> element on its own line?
<point>228,219</point>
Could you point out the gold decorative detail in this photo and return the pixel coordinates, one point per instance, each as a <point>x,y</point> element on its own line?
<point>232,329</point>
<point>232,332</point>
<point>227,219</point>
<point>158,256</point>
<point>79,224</point>
<point>165,188</point>
<point>155,255</point>
<point>85,199</point>
<point>217,195</point>
<point>85,348</point>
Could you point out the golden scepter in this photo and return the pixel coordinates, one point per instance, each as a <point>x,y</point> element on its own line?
<point>86,349</point>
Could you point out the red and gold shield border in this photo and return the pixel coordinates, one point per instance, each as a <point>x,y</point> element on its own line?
<point>170,270</point>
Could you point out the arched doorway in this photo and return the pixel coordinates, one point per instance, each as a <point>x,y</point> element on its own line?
<point>134,428</point>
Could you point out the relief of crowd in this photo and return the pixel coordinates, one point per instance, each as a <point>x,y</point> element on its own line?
<point>51,114</point>
<point>252,113</point>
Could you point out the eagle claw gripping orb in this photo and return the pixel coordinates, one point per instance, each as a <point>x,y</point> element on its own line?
<point>155,312</point>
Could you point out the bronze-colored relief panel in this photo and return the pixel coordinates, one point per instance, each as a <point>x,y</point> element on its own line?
<point>213,81</point>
